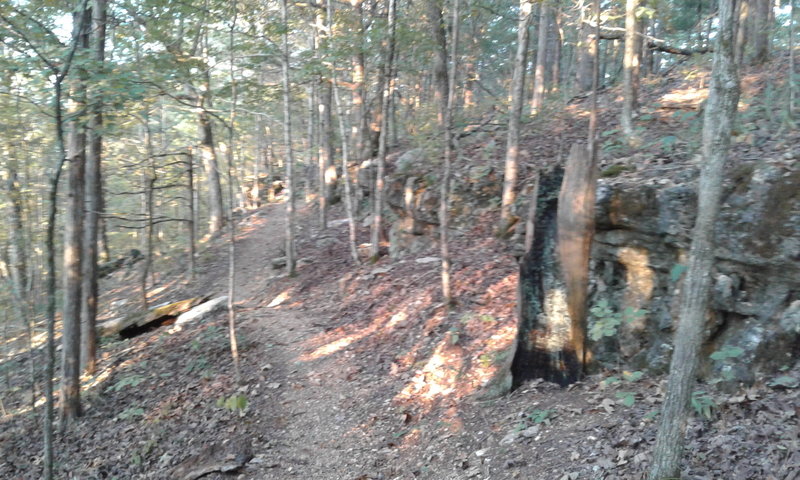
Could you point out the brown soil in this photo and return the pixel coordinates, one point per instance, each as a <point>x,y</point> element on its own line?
<point>357,372</point>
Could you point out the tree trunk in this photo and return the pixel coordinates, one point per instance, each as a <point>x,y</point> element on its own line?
<point>437,25</point>
<point>208,155</point>
<point>93,193</point>
<point>586,53</point>
<point>541,55</point>
<point>327,167</point>
<point>630,64</point>
<point>377,213</point>
<point>762,31</point>
<point>348,199</point>
<point>287,140</point>
<point>720,114</point>
<point>208,152</point>
<point>73,239</point>
<point>517,95</point>
<point>557,42</point>
<point>191,214</point>
<point>449,139</point>
<point>743,27</point>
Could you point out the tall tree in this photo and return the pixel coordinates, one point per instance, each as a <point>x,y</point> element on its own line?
<point>73,235</point>
<point>94,203</point>
<point>208,152</point>
<point>287,141</point>
<point>517,96</point>
<point>630,69</point>
<point>435,19</point>
<point>541,57</point>
<point>383,139</point>
<point>720,115</point>
<point>348,198</point>
<point>449,139</point>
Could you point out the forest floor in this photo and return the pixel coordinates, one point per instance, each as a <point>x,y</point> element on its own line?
<point>338,388</point>
<point>358,372</point>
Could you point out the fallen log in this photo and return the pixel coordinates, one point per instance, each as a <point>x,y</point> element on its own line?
<point>142,318</point>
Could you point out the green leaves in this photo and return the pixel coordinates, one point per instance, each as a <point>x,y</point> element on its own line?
<point>127,381</point>
<point>703,404</point>
<point>606,321</point>
<point>627,398</point>
<point>234,403</point>
<point>676,272</point>
<point>727,352</point>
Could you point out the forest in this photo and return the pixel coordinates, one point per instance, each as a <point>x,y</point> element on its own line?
<point>399,239</point>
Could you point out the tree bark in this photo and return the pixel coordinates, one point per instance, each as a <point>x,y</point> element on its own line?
<point>449,138</point>
<point>287,140</point>
<point>208,152</point>
<point>762,31</point>
<point>630,64</point>
<point>436,23</point>
<point>327,167</point>
<point>348,199</point>
<point>208,155</point>
<point>517,95</point>
<point>541,55</point>
<point>377,213</point>
<point>73,239</point>
<point>586,54</point>
<point>94,203</point>
<point>718,121</point>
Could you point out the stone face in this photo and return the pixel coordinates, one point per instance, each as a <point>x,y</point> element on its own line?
<point>754,297</point>
<point>641,245</point>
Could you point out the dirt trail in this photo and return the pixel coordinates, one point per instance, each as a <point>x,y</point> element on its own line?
<point>312,417</point>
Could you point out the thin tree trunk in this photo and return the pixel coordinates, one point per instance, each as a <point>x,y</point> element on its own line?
<point>586,56</point>
<point>149,177</point>
<point>517,98</point>
<point>719,117</point>
<point>792,107</point>
<point>313,120</point>
<point>595,50</point>
<point>94,191</point>
<point>327,149</point>
<point>436,23</point>
<point>348,199</point>
<point>192,215</point>
<point>449,138</point>
<point>234,344</point>
<point>541,55</point>
<point>629,66</point>
<point>287,140</point>
<point>377,214</point>
<point>555,79</point>
<point>762,31</point>
<point>208,154</point>
<point>59,73</point>
<point>73,239</point>
<point>743,27</point>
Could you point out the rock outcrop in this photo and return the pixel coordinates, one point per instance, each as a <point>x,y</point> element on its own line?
<point>644,225</point>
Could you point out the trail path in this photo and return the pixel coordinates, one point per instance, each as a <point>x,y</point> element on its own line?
<point>312,412</point>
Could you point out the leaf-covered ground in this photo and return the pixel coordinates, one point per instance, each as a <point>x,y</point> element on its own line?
<point>358,372</point>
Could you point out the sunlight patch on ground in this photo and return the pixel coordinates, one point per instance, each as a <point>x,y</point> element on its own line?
<point>438,378</point>
<point>279,299</point>
<point>687,96</point>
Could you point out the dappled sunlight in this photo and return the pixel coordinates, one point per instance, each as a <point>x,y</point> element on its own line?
<point>689,96</point>
<point>438,378</point>
<point>379,323</point>
<point>282,297</point>
<point>639,277</point>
